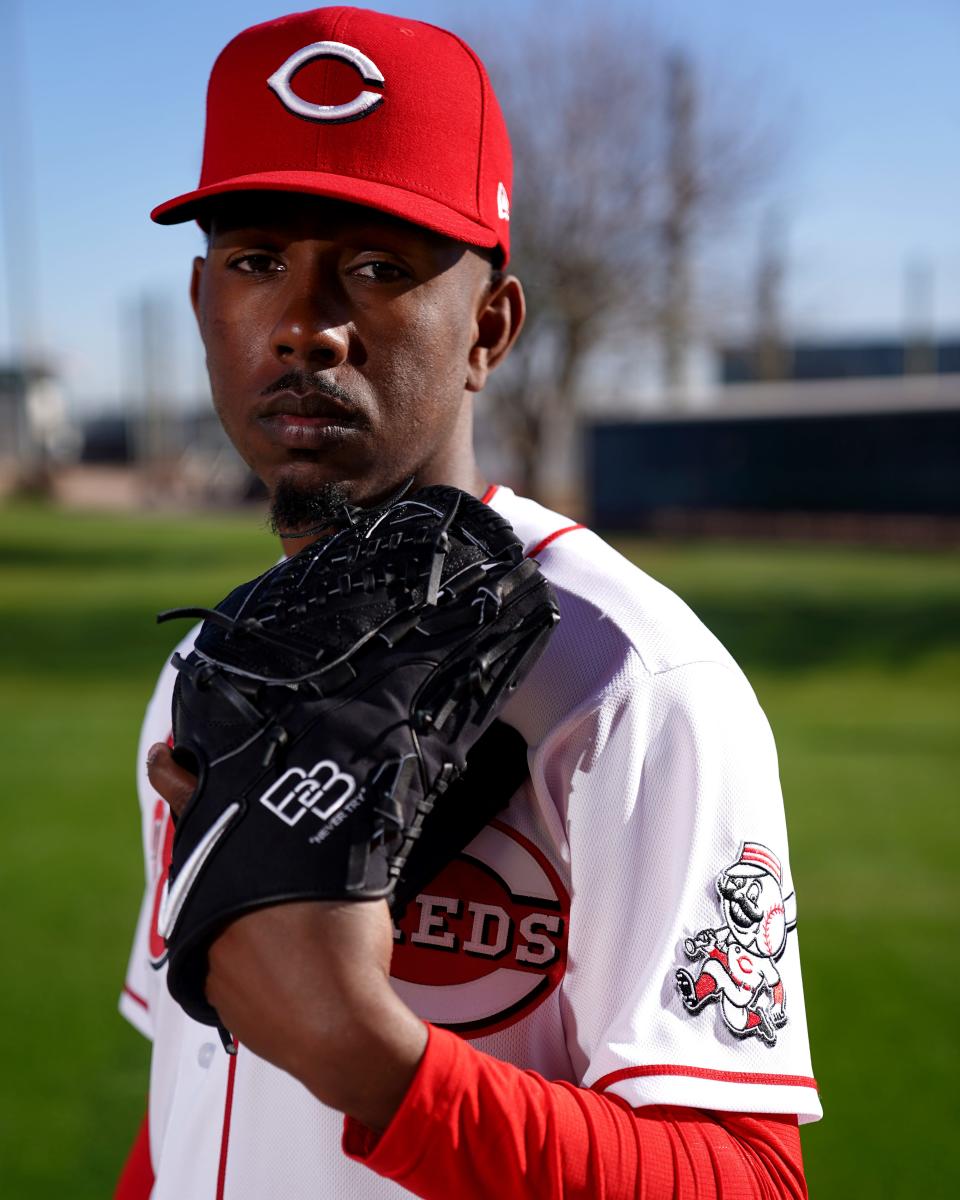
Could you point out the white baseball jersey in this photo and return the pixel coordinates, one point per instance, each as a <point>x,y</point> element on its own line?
<point>563,938</point>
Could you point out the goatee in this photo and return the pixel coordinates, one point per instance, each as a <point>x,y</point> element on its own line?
<point>296,511</point>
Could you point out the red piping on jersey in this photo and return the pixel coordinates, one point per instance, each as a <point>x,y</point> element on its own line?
<point>134,996</point>
<point>489,494</point>
<point>225,1137</point>
<point>552,537</point>
<point>605,1081</point>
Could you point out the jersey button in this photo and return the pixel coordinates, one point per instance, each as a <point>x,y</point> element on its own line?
<point>205,1054</point>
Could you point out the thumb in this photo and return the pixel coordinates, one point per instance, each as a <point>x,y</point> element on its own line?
<point>171,781</point>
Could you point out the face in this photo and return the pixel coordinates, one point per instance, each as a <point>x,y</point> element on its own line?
<point>343,345</point>
<point>742,902</point>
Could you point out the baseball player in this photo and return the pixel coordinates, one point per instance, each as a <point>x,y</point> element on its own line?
<point>529,1027</point>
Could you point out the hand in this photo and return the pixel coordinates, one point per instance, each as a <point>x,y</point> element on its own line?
<point>700,945</point>
<point>306,987</point>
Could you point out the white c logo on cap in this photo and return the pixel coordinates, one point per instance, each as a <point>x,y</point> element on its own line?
<point>363,103</point>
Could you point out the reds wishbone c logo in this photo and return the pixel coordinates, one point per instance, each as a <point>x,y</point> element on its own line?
<point>360,106</point>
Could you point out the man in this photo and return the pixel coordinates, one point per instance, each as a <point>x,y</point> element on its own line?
<point>528,1029</point>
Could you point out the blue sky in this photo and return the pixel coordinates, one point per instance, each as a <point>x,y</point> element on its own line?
<point>869,95</point>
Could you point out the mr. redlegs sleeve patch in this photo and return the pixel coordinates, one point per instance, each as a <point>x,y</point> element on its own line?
<point>737,960</point>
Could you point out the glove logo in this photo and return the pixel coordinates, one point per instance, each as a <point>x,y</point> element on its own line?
<point>177,891</point>
<point>363,103</point>
<point>738,959</point>
<point>322,791</point>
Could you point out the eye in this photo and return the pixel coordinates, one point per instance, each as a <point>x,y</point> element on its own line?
<point>380,270</point>
<point>753,891</point>
<point>256,264</point>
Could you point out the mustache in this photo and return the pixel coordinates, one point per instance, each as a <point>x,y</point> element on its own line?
<point>744,913</point>
<point>740,904</point>
<point>309,383</point>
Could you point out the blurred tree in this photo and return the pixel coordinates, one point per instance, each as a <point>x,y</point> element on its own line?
<point>678,221</point>
<point>770,353</point>
<point>620,175</point>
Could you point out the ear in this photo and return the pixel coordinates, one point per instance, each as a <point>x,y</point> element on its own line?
<point>499,321</point>
<point>195,276</point>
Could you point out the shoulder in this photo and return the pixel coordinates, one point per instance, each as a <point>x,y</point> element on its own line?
<point>620,630</point>
<point>598,587</point>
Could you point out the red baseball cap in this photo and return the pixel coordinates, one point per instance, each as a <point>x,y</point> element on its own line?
<point>359,106</point>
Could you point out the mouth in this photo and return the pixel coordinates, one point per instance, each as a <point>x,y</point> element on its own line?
<point>307,420</point>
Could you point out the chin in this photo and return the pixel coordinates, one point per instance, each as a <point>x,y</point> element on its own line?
<point>309,486</point>
<point>297,505</point>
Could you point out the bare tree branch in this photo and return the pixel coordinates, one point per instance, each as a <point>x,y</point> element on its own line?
<point>620,174</point>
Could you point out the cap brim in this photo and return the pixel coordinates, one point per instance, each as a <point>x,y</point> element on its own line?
<point>747,870</point>
<point>419,210</point>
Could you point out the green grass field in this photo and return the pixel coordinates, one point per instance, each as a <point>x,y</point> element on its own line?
<point>855,655</point>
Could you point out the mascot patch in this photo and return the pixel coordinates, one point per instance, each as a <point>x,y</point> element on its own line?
<point>736,962</point>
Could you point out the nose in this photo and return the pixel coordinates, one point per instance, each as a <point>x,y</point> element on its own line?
<point>309,335</point>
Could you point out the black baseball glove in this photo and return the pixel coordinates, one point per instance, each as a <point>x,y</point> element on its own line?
<point>330,704</point>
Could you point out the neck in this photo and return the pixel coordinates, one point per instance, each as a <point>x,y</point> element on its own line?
<point>455,467</point>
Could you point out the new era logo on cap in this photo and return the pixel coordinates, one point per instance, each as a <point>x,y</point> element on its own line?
<point>417,132</point>
<point>503,202</point>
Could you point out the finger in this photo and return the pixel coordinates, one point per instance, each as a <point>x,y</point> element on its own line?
<point>171,781</point>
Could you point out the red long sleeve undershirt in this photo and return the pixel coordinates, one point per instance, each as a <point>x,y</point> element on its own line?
<point>506,1134</point>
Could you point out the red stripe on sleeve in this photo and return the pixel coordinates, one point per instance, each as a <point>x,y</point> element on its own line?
<point>505,1134</point>
<point>489,494</point>
<point>754,1077</point>
<point>136,1179</point>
